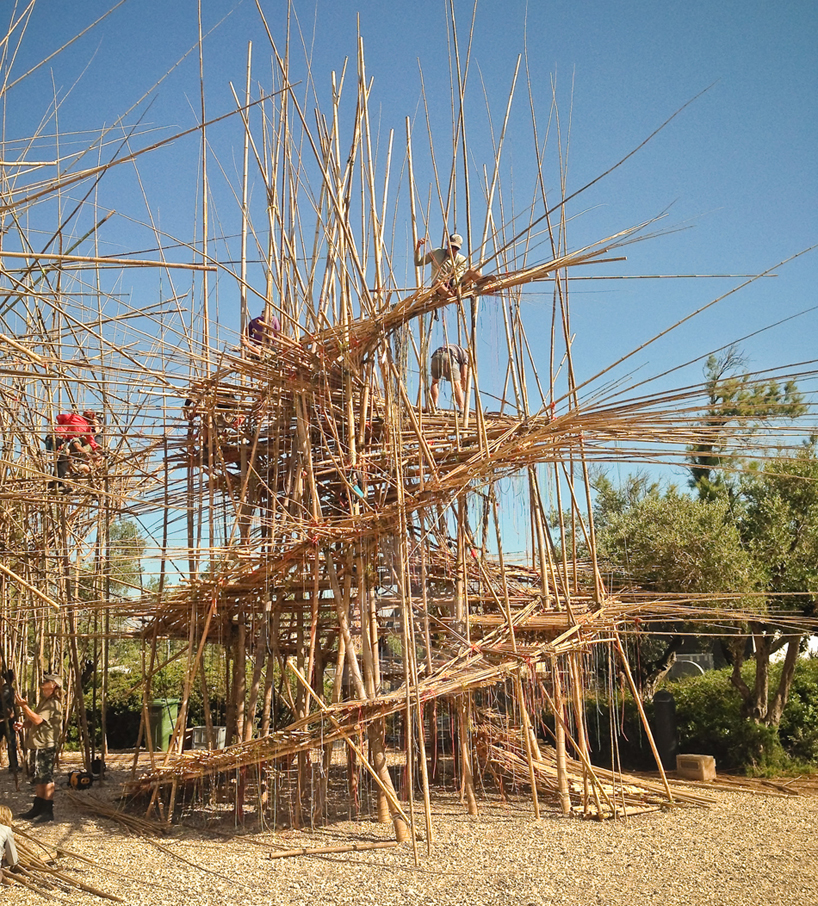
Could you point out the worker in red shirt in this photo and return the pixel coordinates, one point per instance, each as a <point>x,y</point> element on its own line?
<point>75,442</point>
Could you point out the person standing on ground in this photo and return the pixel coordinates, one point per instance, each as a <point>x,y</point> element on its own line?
<point>44,725</point>
<point>450,363</point>
<point>9,719</point>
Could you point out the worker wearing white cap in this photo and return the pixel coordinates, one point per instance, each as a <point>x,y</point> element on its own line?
<point>448,265</point>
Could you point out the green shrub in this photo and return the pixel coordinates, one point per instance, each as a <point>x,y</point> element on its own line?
<point>799,724</point>
<point>709,722</point>
<point>708,714</point>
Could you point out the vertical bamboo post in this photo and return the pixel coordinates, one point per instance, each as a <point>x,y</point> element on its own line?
<point>562,771</point>
<point>582,735</point>
<point>638,699</point>
<point>463,701</point>
<point>244,210</point>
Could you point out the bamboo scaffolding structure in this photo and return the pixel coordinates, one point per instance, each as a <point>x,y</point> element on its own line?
<point>321,543</point>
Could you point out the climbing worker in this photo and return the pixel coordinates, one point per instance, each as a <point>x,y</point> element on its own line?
<point>355,478</point>
<point>74,442</point>
<point>261,333</point>
<point>191,412</point>
<point>94,423</point>
<point>220,427</point>
<point>44,726</point>
<point>8,851</point>
<point>448,265</point>
<point>451,363</point>
<point>356,482</point>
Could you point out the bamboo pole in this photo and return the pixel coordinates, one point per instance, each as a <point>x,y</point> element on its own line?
<point>638,699</point>
<point>562,774</point>
<point>339,848</point>
<point>375,771</point>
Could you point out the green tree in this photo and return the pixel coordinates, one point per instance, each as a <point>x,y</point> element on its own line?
<point>674,544</point>
<point>117,570</point>
<point>127,548</point>
<point>612,500</point>
<point>738,405</point>
<point>759,546</point>
<point>780,528</point>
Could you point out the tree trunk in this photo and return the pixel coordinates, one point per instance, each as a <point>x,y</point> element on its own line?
<point>761,691</point>
<point>737,647</point>
<point>779,702</point>
<point>653,672</point>
<point>756,704</point>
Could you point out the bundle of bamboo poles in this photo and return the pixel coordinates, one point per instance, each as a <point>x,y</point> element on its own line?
<point>594,791</point>
<point>134,824</point>
<point>38,870</point>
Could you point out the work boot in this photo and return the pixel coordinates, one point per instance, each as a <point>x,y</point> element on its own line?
<point>47,812</point>
<point>35,810</point>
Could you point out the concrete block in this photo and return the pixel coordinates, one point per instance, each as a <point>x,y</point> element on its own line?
<point>696,767</point>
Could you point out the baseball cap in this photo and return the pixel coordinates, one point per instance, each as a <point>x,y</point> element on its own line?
<point>456,241</point>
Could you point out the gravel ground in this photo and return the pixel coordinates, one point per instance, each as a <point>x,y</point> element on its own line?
<point>747,849</point>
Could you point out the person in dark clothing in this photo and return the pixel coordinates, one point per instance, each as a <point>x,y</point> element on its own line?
<point>261,332</point>
<point>9,718</point>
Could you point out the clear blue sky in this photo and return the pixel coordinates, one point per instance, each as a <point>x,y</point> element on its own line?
<point>738,167</point>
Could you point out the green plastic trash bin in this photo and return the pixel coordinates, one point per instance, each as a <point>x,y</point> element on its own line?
<point>163,714</point>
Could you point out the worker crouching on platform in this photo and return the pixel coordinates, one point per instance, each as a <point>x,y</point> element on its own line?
<point>450,363</point>
<point>75,442</point>
<point>261,334</point>
<point>450,269</point>
<point>44,726</point>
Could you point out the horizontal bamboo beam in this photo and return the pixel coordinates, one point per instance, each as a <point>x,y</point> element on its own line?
<point>113,262</point>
